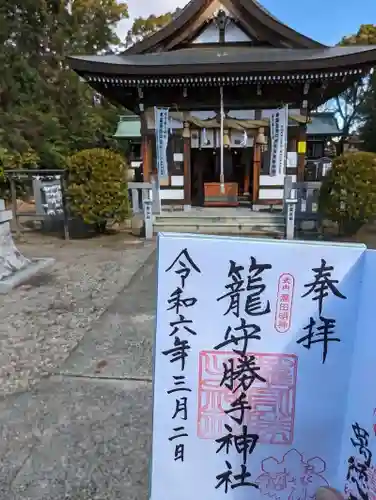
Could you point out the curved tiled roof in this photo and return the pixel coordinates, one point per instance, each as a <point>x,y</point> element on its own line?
<point>190,17</point>
<point>224,59</point>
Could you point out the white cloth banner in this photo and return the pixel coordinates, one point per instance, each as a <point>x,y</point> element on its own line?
<point>278,134</point>
<point>161,140</point>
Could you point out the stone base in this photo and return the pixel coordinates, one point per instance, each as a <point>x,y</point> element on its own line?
<point>308,225</point>
<point>24,274</point>
<point>15,268</point>
<point>138,225</point>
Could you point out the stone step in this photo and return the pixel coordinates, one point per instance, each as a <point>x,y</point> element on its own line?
<point>268,219</point>
<point>225,230</point>
<point>221,225</point>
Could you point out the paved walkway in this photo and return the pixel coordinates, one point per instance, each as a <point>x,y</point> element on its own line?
<point>43,320</point>
<point>84,433</point>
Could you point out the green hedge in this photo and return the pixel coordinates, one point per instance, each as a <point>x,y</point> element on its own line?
<point>97,186</point>
<point>348,192</point>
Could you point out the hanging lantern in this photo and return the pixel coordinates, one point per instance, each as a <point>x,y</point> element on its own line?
<point>186,131</point>
<point>261,140</point>
<point>226,139</point>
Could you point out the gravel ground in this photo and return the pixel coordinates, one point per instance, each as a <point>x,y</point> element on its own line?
<point>42,321</point>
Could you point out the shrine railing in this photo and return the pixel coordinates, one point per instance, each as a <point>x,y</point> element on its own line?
<point>139,192</point>
<point>316,170</point>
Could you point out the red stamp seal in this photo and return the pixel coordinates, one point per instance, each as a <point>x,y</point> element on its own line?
<point>283,310</point>
<point>273,401</point>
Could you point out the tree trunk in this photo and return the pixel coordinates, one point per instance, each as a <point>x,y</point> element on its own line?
<point>101,227</point>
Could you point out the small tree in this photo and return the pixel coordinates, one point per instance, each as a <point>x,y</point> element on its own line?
<point>12,161</point>
<point>348,192</point>
<point>348,105</point>
<point>144,27</point>
<point>97,186</point>
<point>368,128</point>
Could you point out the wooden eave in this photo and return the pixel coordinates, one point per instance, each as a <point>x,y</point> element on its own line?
<point>226,61</point>
<point>256,21</point>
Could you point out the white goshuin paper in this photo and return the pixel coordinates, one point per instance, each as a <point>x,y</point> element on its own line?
<point>305,411</point>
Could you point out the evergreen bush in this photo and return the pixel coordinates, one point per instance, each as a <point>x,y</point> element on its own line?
<point>348,192</point>
<point>97,187</point>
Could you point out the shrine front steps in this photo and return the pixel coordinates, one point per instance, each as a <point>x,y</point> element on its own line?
<point>260,224</point>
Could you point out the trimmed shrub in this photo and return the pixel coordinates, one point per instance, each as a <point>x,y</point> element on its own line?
<point>97,187</point>
<point>348,192</point>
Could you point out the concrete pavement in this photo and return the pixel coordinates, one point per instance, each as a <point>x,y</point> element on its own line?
<point>84,433</point>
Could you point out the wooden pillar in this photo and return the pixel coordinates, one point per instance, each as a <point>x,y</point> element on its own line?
<point>256,161</point>
<point>302,146</point>
<point>292,144</point>
<point>256,171</point>
<point>187,167</point>
<point>146,149</point>
<point>247,174</point>
<point>246,179</point>
<point>145,157</point>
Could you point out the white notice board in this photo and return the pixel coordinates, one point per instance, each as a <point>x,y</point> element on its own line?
<point>264,353</point>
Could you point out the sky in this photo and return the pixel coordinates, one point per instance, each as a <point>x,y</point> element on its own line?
<point>324,20</point>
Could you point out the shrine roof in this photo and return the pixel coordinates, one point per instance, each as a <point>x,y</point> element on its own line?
<point>323,124</point>
<point>254,19</point>
<point>129,126</point>
<point>211,60</point>
<point>319,124</point>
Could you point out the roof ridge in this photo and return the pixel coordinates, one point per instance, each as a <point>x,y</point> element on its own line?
<point>261,7</point>
<point>174,19</point>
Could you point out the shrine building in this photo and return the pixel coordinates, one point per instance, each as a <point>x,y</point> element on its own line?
<point>258,63</point>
